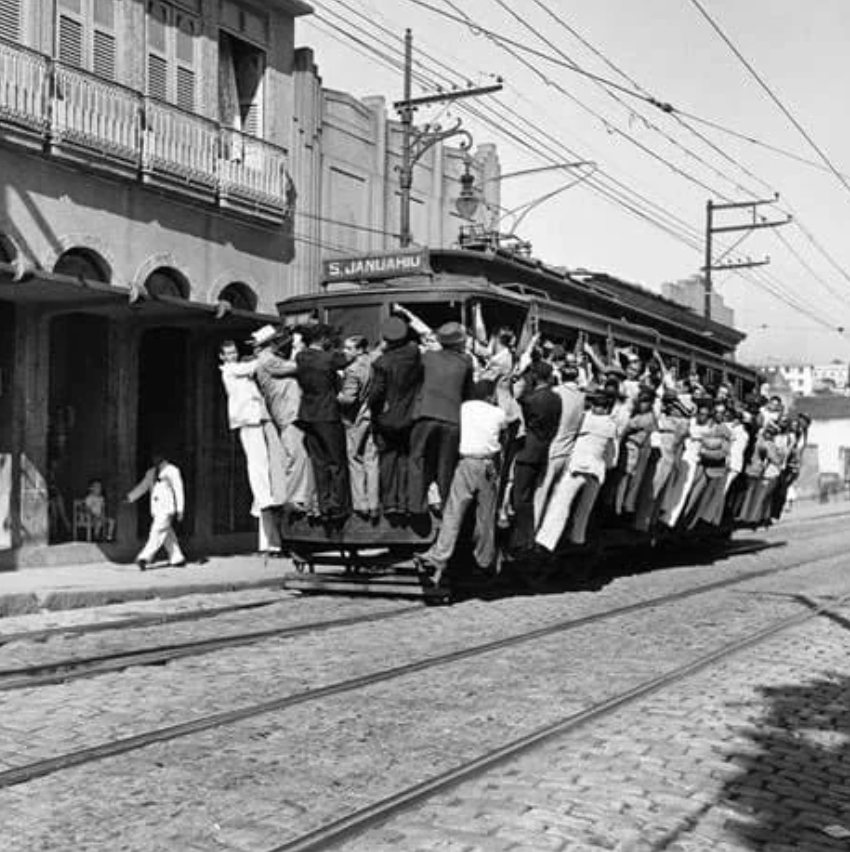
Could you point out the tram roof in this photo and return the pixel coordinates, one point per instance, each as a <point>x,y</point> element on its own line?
<point>600,291</point>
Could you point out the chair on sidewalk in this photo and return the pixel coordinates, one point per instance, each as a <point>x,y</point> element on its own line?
<point>82,520</point>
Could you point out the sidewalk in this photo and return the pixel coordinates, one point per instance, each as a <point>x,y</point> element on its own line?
<point>98,584</point>
<point>73,586</point>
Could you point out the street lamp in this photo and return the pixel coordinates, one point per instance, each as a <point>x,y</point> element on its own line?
<point>467,202</point>
<point>470,196</point>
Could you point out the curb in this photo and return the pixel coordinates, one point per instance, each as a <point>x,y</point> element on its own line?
<point>29,603</point>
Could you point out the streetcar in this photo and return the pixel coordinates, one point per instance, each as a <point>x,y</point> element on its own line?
<point>508,289</point>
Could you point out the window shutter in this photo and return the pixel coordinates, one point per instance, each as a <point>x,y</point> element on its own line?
<point>157,77</point>
<point>104,55</point>
<point>186,89</point>
<point>70,41</point>
<point>103,44</point>
<point>10,19</point>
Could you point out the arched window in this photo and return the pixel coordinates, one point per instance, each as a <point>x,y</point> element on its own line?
<point>240,296</point>
<point>83,263</point>
<point>167,282</point>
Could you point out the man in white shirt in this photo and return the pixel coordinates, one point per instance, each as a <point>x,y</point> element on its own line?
<point>165,485</point>
<point>476,478</point>
<point>247,413</point>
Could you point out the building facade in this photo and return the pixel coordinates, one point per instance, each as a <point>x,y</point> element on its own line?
<point>808,379</point>
<point>171,169</point>
<point>690,292</point>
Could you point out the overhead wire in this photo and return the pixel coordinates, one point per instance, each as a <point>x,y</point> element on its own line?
<point>773,287</point>
<point>617,99</point>
<point>612,194</point>
<point>763,84</point>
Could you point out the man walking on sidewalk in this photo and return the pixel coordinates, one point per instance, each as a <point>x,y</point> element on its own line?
<point>165,485</point>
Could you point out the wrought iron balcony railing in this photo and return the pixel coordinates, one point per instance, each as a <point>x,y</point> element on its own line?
<point>72,113</point>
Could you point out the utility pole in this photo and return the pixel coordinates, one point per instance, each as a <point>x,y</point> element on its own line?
<point>711,229</point>
<point>416,142</point>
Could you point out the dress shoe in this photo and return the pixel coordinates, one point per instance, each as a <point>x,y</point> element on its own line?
<point>143,564</point>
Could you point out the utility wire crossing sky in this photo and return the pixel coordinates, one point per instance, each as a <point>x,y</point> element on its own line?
<point>677,102</point>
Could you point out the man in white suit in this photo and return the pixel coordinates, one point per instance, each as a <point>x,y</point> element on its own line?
<point>165,485</point>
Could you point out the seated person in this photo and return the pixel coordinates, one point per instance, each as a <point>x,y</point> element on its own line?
<point>102,526</point>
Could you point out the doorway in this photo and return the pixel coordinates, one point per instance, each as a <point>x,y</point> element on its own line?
<point>78,444</point>
<point>166,410</point>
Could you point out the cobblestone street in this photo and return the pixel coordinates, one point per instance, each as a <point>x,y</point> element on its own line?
<point>748,754</point>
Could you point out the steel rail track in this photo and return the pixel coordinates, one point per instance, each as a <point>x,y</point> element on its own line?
<point>91,754</point>
<point>132,622</point>
<point>357,822</point>
<point>74,668</point>
<point>159,619</point>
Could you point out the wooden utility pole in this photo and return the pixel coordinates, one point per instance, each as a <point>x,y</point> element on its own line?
<point>416,142</point>
<point>711,229</point>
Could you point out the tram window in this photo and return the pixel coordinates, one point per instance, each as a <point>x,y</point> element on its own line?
<point>500,315</point>
<point>435,314</point>
<point>357,319</point>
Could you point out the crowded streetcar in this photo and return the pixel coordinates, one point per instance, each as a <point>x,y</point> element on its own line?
<point>446,411</point>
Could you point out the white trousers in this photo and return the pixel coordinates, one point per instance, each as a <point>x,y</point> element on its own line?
<point>572,488</point>
<point>269,532</point>
<point>257,455</point>
<point>162,535</point>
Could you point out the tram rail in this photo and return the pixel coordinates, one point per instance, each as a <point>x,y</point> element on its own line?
<point>48,766</point>
<point>353,824</point>
<point>74,668</point>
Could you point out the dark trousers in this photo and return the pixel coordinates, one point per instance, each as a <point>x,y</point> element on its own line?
<point>433,458</point>
<point>527,478</point>
<point>393,461</point>
<point>325,445</point>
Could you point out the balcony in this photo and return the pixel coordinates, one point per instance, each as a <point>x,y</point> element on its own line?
<point>79,117</point>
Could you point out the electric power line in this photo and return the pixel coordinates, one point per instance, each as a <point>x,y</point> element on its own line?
<point>757,77</point>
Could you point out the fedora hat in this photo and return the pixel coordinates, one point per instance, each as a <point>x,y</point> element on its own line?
<point>264,335</point>
<point>451,334</point>
<point>394,330</point>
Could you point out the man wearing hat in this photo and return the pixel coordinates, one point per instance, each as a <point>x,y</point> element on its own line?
<point>275,351</point>
<point>447,380</point>
<point>247,414</point>
<point>396,374</point>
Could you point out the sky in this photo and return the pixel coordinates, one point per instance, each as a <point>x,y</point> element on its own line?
<point>661,167</point>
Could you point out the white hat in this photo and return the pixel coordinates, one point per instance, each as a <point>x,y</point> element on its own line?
<point>263,335</point>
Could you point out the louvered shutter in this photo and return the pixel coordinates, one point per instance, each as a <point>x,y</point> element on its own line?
<point>186,89</point>
<point>103,43</point>
<point>10,19</point>
<point>71,41</point>
<point>184,49</point>
<point>157,77</point>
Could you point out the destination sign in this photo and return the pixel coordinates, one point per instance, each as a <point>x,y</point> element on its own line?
<point>372,267</point>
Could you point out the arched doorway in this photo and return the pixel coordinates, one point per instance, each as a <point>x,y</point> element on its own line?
<point>167,282</point>
<point>83,263</point>
<point>240,296</point>
<point>79,446</point>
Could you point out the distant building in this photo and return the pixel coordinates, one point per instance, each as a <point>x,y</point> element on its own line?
<point>826,461</point>
<point>808,379</point>
<point>691,293</point>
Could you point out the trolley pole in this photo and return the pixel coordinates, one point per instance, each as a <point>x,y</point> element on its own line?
<point>415,143</point>
<point>711,229</point>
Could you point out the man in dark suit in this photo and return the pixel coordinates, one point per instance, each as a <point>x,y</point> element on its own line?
<point>447,381</point>
<point>396,375</point>
<point>319,415</point>
<point>541,410</point>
